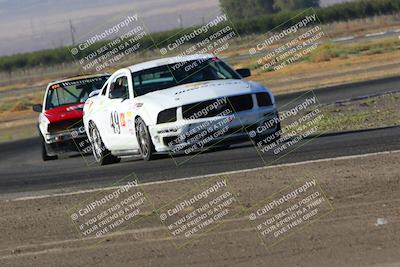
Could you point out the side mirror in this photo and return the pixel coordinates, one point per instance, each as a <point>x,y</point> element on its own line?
<point>94,93</point>
<point>37,108</point>
<point>244,72</point>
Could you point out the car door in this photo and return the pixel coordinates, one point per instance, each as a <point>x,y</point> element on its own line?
<point>121,132</point>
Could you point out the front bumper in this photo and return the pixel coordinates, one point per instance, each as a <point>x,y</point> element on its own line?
<point>72,140</point>
<point>191,135</point>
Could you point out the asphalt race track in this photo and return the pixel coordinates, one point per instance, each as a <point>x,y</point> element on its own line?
<point>22,170</point>
<point>344,92</point>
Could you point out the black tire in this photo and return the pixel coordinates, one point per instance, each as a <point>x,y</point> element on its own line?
<point>45,155</point>
<point>144,140</point>
<point>101,154</point>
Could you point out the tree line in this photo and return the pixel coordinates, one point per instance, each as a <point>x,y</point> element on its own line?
<point>260,23</point>
<point>243,9</point>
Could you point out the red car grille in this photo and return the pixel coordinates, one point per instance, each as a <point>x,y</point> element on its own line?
<point>64,125</point>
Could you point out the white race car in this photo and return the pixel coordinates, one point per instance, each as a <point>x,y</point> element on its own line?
<point>176,105</point>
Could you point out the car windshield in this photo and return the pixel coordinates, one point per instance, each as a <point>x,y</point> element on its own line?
<point>73,92</point>
<point>167,76</point>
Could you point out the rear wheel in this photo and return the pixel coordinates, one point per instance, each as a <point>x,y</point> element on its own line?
<point>101,154</point>
<point>144,140</point>
<point>45,155</point>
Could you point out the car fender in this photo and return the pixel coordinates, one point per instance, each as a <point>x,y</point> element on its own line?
<point>148,114</point>
<point>43,123</point>
<point>91,115</point>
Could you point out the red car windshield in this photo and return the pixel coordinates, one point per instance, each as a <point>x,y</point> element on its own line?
<point>73,92</point>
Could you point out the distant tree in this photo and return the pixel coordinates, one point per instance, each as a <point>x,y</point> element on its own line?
<point>233,8</point>
<point>243,9</point>
<point>264,6</point>
<point>7,67</point>
<point>287,5</point>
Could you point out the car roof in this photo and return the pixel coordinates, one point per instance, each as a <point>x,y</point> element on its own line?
<point>81,77</point>
<point>167,61</point>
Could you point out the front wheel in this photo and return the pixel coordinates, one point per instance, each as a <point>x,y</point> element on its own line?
<point>45,155</point>
<point>101,154</point>
<point>144,140</point>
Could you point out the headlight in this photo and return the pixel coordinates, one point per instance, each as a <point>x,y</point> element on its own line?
<point>168,115</point>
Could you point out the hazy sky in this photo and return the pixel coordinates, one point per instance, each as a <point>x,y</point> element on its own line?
<point>27,25</point>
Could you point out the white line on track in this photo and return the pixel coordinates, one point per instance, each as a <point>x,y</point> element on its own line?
<point>214,174</point>
<point>344,39</point>
<point>375,34</point>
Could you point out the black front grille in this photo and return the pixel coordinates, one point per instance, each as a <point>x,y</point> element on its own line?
<point>64,125</point>
<point>263,99</point>
<point>215,107</point>
<point>165,116</point>
<point>241,103</point>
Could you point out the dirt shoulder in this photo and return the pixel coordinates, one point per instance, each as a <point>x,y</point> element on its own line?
<point>359,226</point>
<point>368,113</point>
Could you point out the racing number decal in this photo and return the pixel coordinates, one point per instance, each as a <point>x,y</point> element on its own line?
<point>115,122</point>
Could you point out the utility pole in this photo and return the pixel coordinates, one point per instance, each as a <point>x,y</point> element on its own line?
<point>32,26</point>
<point>73,30</point>
<point>180,21</point>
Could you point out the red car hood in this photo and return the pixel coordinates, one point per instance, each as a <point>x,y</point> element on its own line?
<point>67,112</point>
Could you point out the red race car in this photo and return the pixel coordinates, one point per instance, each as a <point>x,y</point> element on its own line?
<point>60,121</point>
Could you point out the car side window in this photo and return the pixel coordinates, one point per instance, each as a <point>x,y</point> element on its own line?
<point>136,85</point>
<point>119,88</point>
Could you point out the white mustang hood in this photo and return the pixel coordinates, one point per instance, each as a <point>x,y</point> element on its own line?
<point>198,92</point>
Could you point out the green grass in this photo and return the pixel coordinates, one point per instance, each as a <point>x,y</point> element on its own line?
<point>333,123</point>
<point>330,51</point>
<point>6,106</point>
<point>373,112</point>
